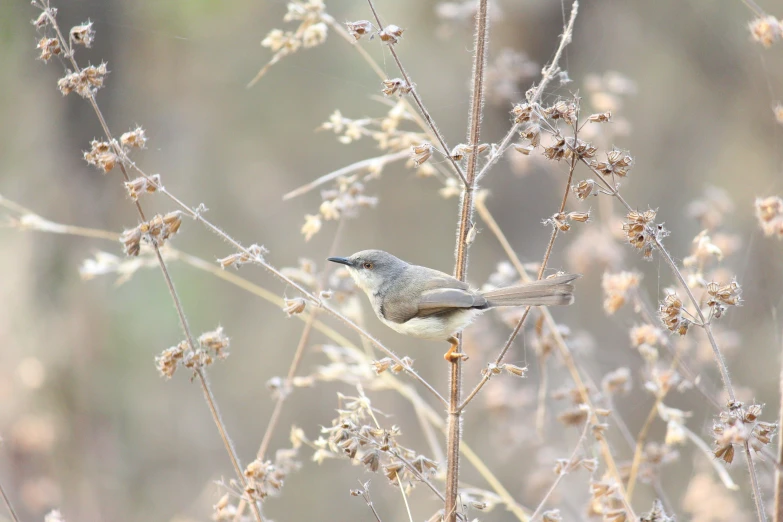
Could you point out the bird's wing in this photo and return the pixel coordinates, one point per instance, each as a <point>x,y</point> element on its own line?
<point>449,298</point>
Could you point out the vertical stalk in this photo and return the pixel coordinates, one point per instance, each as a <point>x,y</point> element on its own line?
<point>454,430</point>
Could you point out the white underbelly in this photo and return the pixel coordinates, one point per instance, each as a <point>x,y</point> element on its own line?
<point>434,327</point>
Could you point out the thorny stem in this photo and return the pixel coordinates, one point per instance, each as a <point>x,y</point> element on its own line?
<point>208,395</point>
<point>547,74</point>
<point>415,95</point>
<point>564,471</point>
<point>8,505</point>
<point>454,431</point>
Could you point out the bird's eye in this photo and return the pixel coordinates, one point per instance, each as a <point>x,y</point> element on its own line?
<point>368,265</point>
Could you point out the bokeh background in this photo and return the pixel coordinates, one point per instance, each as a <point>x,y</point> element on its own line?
<point>89,427</point>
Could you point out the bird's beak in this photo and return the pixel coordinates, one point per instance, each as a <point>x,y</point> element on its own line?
<point>342,260</point>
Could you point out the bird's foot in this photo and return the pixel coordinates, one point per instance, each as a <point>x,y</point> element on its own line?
<point>453,355</point>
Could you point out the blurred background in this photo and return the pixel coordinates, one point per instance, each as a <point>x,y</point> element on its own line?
<point>86,422</point>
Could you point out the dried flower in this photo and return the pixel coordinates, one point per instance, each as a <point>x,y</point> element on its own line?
<point>642,233</point>
<point>142,184</point>
<point>737,425</point>
<point>601,117</point>
<point>390,34</point>
<point>48,47</point>
<point>134,139</point>
<point>722,296</point>
<point>216,341</point>
<point>45,17</point>
<point>617,381</point>
<point>769,212</point>
<point>584,189</point>
<point>312,226</point>
<point>157,230</point>
<point>421,153</point>
<point>395,86</point>
<point>314,35</point>
<point>617,163</point>
<point>254,252</point>
<point>672,314</point>
<point>168,360</point>
<point>101,155</point>
<point>616,288</point>
<point>518,371</point>
<point>83,34</point>
<point>359,28</point>
<point>86,82</point>
<point>562,110</point>
<point>766,30</point>
<point>294,306</point>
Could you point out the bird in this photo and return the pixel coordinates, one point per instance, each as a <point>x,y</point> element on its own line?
<point>429,304</point>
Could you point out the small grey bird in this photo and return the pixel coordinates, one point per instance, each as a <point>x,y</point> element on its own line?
<point>429,304</point>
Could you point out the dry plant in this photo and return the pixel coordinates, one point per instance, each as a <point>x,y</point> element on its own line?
<point>578,142</point>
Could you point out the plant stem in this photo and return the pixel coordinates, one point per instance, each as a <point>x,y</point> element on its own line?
<point>778,515</point>
<point>8,505</point>
<point>454,430</point>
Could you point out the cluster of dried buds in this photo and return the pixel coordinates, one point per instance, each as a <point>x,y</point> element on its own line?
<point>264,478</point>
<point>512,369</point>
<point>390,34</point>
<point>672,314</point>
<point>312,31</point>
<point>642,232</point>
<point>85,82</point>
<point>617,164</point>
<point>374,447</point>
<point>740,425</point>
<point>723,296</point>
<point>562,220</point>
<point>566,111</point>
<point>769,212</point>
<point>617,287</point>
<point>155,231</point>
<point>766,30</point>
<point>346,198</point>
<point>387,363</point>
<point>211,345</point>
<point>105,155</point>
<point>396,86</point>
<point>566,147</point>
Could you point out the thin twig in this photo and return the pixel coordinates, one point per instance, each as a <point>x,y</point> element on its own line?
<point>415,95</point>
<point>8,504</point>
<point>778,514</point>
<point>564,471</point>
<point>379,161</point>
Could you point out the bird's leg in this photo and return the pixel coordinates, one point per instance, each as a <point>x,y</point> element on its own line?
<point>453,355</point>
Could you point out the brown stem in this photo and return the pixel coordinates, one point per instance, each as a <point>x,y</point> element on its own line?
<point>454,430</point>
<point>778,515</point>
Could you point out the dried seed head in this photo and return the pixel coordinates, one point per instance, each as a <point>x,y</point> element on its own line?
<point>134,139</point>
<point>312,226</point>
<point>359,28</point>
<point>557,151</point>
<point>391,34</point>
<point>671,312</point>
<point>766,30</point>
<point>645,334</point>
<point>382,365</point>
<point>395,86</point>
<point>524,149</point>
<point>421,153</point>
<point>532,133</point>
<point>601,117</point>
<point>140,185</point>
<point>83,34</point>
<point>131,241</point>
<point>584,189</point>
<point>518,371</point>
<point>217,341</point>
<point>576,416</point>
<point>562,110</point>
<point>524,112</point>
<point>617,287</point>
<point>553,515</point>
<point>642,233</point>
<point>294,306</point>
<point>617,381</point>
<point>44,18</point>
<point>86,82</point>
<point>769,212</point>
<point>722,296</point>
<point>314,34</point>
<point>617,164</point>
<point>560,221</point>
<point>168,360</point>
<point>407,363</point>
<point>48,47</point>
<point>580,217</point>
<point>101,155</point>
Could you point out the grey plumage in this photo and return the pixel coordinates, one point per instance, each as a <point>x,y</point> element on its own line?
<point>422,302</point>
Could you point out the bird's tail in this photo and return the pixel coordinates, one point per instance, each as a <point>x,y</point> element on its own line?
<point>557,290</point>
